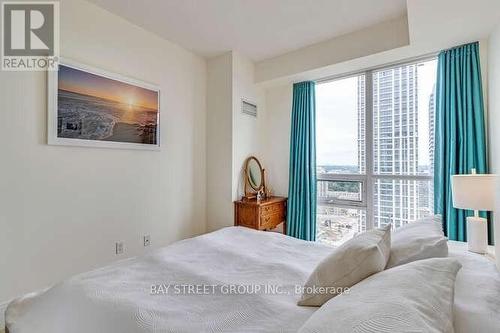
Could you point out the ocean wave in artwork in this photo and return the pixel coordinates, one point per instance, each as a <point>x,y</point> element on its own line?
<point>92,118</point>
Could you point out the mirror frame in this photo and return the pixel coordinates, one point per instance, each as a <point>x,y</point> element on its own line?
<point>253,191</point>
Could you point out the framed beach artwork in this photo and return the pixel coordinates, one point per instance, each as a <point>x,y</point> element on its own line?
<point>94,108</point>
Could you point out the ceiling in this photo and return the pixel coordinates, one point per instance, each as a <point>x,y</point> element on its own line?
<point>433,25</point>
<point>451,21</point>
<point>259,29</point>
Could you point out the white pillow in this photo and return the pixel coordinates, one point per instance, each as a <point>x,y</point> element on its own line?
<point>416,297</point>
<point>421,239</point>
<point>353,261</point>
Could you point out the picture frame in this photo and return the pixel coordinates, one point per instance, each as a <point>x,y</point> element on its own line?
<point>91,107</point>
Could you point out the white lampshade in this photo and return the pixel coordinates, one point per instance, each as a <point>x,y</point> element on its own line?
<point>476,192</point>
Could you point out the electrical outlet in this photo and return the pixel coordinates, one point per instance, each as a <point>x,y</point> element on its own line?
<point>147,240</point>
<point>119,247</point>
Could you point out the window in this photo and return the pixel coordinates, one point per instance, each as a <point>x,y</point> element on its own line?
<point>375,149</point>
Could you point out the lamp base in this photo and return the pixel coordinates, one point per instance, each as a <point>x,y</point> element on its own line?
<point>477,234</point>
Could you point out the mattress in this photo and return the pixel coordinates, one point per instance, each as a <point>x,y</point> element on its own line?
<point>232,280</point>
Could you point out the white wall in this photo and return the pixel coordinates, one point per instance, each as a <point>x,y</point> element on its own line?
<point>494,121</point>
<point>219,141</point>
<point>231,135</point>
<point>246,129</point>
<point>277,133</point>
<point>63,208</point>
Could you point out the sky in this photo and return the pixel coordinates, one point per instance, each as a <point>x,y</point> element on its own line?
<point>82,82</point>
<point>336,122</point>
<point>337,118</point>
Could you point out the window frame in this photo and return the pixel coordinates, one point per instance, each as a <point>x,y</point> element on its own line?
<point>346,177</point>
<point>369,178</point>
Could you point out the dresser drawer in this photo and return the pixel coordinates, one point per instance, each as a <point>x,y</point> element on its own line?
<point>264,214</point>
<point>270,221</point>
<point>272,209</point>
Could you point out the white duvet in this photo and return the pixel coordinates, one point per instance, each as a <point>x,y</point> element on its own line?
<point>118,298</point>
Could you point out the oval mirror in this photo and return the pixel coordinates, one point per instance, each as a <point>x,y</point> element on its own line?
<point>254,173</point>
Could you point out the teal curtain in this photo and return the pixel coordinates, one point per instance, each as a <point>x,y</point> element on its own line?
<point>301,219</point>
<point>460,131</point>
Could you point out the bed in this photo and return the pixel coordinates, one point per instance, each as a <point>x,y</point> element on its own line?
<point>243,281</point>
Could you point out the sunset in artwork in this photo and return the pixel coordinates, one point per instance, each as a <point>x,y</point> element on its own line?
<point>95,107</point>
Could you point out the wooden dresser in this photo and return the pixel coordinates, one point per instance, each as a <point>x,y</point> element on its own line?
<point>261,215</point>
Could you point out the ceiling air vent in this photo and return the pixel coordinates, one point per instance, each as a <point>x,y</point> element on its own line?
<point>248,108</point>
